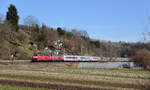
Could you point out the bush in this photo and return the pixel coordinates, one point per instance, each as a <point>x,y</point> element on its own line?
<point>21,54</point>
<point>22,36</point>
<point>6,33</point>
<point>5,54</point>
<point>142,58</point>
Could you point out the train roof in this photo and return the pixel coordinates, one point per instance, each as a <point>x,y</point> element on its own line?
<point>45,54</point>
<point>77,56</point>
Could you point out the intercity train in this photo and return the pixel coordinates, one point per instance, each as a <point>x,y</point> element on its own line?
<point>67,58</point>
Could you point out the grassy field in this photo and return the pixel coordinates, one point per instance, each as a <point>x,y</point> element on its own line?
<point>43,76</point>
<point>19,88</point>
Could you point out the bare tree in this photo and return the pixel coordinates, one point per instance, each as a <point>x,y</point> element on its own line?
<point>81,33</point>
<point>75,32</point>
<point>6,33</point>
<point>30,21</point>
<point>1,18</point>
<point>84,33</point>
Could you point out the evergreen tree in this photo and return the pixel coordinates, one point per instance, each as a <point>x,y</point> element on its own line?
<point>12,17</point>
<point>37,28</point>
<point>60,31</point>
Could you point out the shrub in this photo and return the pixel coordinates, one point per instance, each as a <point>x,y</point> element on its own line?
<point>22,36</point>
<point>142,58</point>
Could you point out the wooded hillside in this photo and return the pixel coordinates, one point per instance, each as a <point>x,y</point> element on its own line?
<point>30,38</point>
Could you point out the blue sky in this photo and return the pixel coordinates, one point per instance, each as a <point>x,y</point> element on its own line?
<point>114,20</point>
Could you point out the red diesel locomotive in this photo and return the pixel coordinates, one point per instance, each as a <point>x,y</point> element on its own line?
<point>46,57</point>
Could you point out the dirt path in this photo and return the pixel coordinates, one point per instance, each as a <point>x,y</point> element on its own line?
<point>49,86</point>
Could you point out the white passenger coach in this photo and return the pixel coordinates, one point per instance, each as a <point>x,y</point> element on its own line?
<point>80,58</point>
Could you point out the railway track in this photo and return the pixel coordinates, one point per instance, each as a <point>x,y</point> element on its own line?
<point>29,62</point>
